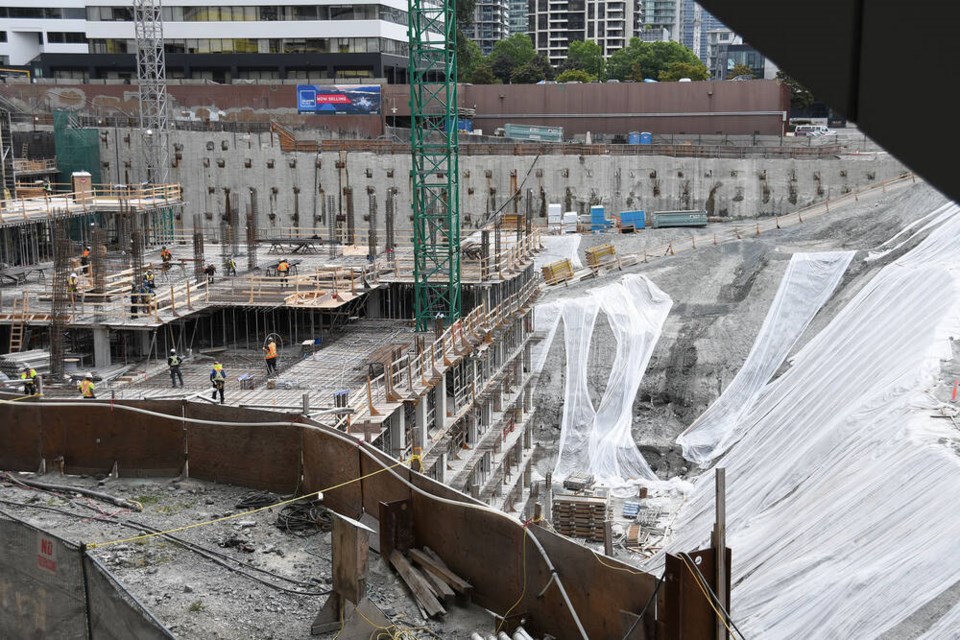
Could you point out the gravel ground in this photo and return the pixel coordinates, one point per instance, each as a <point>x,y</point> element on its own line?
<point>277,580</point>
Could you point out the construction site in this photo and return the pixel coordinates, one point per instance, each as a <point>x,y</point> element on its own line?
<point>263,382</point>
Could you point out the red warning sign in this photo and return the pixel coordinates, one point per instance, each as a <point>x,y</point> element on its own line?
<point>46,554</point>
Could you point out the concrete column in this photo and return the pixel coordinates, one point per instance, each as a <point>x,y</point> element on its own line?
<point>420,426</point>
<point>398,432</point>
<point>145,341</point>
<point>442,468</point>
<point>101,347</point>
<point>471,429</point>
<point>440,402</point>
<point>373,304</point>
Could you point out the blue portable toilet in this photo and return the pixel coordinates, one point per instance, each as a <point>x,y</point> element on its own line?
<point>646,137</point>
<point>633,137</point>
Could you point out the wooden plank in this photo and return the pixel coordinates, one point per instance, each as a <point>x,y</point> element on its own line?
<point>440,570</point>
<point>440,588</point>
<point>418,585</point>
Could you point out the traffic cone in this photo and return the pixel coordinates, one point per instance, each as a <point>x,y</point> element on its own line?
<point>953,396</point>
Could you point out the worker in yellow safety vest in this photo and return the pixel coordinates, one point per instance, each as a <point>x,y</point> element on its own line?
<point>29,378</point>
<point>73,282</point>
<point>271,357</point>
<point>218,378</point>
<point>86,387</point>
<point>283,268</point>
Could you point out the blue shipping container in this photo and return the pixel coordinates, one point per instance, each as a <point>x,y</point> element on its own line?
<point>635,219</point>
<point>633,137</point>
<point>646,137</point>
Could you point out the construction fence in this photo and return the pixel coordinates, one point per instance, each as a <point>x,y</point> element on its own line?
<point>52,588</point>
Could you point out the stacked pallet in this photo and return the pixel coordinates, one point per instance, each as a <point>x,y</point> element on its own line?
<point>432,582</point>
<point>557,272</point>
<point>600,255</point>
<point>580,516</point>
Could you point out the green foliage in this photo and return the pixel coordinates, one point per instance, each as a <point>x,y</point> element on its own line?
<point>639,59</point>
<point>740,70</point>
<point>677,70</point>
<point>584,55</point>
<point>469,56</point>
<point>532,72</point>
<point>510,54</point>
<point>576,75</point>
<point>464,13</point>
<point>481,74</point>
<point>800,96</point>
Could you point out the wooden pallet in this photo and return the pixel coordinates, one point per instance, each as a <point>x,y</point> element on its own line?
<point>557,272</point>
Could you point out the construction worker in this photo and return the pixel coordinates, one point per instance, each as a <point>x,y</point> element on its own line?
<point>149,280</point>
<point>217,377</point>
<point>174,362</point>
<point>231,266</point>
<point>47,188</point>
<point>283,268</point>
<point>165,257</point>
<point>85,259</point>
<point>73,283</point>
<point>146,298</point>
<point>211,271</point>
<point>86,387</point>
<point>271,357</point>
<point>29,378</point>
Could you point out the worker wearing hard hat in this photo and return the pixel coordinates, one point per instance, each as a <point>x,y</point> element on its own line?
<point>73,282</point>
<point>28,375</point>
<point>174,361</point>
<point>271,357</point>
<point>86,387</point>
<point>218,377</point>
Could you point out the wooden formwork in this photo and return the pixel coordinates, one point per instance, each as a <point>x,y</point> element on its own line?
<point>559,271</point>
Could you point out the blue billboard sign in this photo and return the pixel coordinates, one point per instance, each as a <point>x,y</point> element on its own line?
<point>338,98</point>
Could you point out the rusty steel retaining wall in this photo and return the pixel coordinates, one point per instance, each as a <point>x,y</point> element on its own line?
<point>286,454</point>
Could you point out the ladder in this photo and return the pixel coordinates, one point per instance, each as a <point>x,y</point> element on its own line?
<point>19,326</point>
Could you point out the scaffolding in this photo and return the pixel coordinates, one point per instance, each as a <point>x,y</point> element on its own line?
<point>152,78</point>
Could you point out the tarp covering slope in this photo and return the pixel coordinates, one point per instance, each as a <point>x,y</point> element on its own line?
<point>600,441</point>
<point>841,486</point>
<point>807,284</point>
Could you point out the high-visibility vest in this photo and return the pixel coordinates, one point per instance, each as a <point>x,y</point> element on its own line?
<point>218,375</point>
<point>72,282</point>
<point>283,266</point>
<point>149,277</point>
<point>31,376</point>
<point>271,351</point>
<point>86,253</point>
<point>174,361</point>
<point>86,388</point>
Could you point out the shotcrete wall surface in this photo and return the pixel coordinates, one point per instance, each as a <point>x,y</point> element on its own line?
<point>491,550</point>
<point>290,185</point>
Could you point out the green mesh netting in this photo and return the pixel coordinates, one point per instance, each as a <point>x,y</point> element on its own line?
<point>77,149</point>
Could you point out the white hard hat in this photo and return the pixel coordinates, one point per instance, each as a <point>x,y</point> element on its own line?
<point>173,350</point>
<point>74,274</point>
<point>89,375</point>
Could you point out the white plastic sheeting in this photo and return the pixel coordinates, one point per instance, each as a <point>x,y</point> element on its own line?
<point>807,284</point>
<point>557,248</point>
<point>841,488</point>
<point>600,441</point>
<point>546,319</point>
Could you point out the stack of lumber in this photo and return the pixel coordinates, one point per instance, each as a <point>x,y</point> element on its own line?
<point>559,271</point>
<point>580,516</point>
<point>600,255</point>
<point>431,581</point>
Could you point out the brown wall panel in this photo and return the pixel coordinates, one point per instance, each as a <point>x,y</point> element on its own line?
<point>91,440</point>
<point>597,584</point>
<point>384,486</point>
<point>262,457</point>
<point>327,461</point>
<point>20,437</point>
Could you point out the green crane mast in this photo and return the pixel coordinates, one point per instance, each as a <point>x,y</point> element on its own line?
<point>435,172</point>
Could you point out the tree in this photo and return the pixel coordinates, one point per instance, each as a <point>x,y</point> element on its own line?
<point>576,75</point>
<point>469,56</point>
<point>532,72</point>
<point>584,55</point>
<point>677,70</point>
<point>800,96</point>
<point>653,58</point>
<point>481,74</point>
<point>740,70</point>
<point>510,54</point>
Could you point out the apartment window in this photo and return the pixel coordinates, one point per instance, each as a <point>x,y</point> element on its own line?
<point>3,36</point>
<point>66,37</point>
